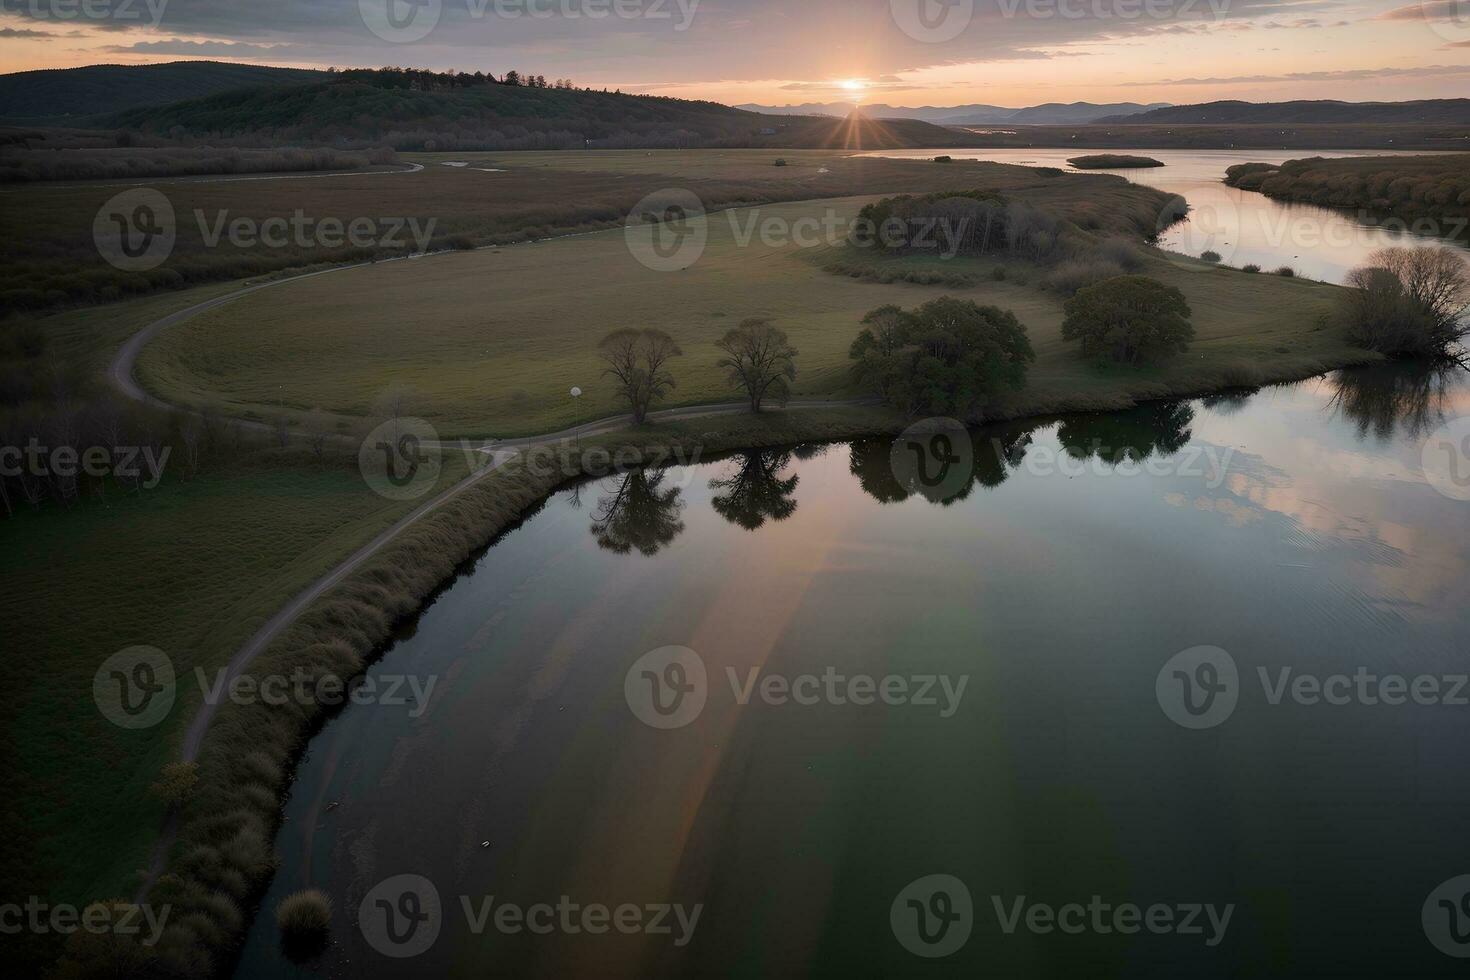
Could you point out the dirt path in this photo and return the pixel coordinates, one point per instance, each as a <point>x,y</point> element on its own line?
<point>121,372</point>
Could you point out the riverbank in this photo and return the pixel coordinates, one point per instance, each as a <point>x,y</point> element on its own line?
<point>1432,191</point>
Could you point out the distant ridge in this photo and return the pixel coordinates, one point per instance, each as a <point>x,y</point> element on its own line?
<point>1051,113</point>
<point>54,94</point>
<point>1436,112</point>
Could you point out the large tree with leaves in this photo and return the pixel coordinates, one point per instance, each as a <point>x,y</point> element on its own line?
<point>948,357</point>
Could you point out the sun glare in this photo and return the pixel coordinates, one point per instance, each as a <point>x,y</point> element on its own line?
<point>853,85</point>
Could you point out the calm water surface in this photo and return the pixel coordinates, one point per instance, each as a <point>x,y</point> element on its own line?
<point>1291,528</point>
<point>1244,227</point>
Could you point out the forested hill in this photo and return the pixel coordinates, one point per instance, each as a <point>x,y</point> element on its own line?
<point>57,94</point>
<point>417,110</point>
<point>1437,112</point>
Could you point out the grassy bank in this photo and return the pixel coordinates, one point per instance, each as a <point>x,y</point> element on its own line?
<point>1429,188</point>
<point>490,342</point>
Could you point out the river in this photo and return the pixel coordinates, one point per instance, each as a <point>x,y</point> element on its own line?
<point>996,679</point>
<point>1245,227</point>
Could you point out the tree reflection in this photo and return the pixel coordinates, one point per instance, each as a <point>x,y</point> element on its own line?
<point>1158,428</point>
<point>756,492</point>
<point>1382,398</point>
<point>994,452</point>
<point>639,514</point>
<point>1228,403</point>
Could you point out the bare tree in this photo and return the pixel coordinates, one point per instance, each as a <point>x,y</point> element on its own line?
<point>760,359</point>
<point>1410,300</point>
<point>638,360</point>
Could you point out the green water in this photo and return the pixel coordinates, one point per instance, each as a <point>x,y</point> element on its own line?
<point>1043,593</point>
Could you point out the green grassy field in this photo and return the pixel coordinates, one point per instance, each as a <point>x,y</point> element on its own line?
<point>491,341</point>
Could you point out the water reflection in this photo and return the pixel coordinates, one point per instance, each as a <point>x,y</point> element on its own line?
<point>1158,428</point>
<point>756,492</point>
<point>1409,397</point>
<point>639,514</point>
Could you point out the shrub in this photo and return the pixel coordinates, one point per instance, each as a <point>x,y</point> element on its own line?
<point>948,357</point>
<point>1071,276</point>
<point>944,159</point>
<point>175,782</point>
<point>1408,301</point>
<point>1121,252</point>
<point>781,161</point>
<point>1209,255</point>
<point>305,921</point>
<point>1129,319</point>
<point>1285,272</point>
<point>1250,267</point>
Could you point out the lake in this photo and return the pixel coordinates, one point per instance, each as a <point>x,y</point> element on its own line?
<point>1175,691</point>
<point>1244,227</point>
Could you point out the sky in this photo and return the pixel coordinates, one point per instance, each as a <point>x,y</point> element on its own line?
<point>897,52</point>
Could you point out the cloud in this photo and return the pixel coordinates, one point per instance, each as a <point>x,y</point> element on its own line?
<point>213,48</point>
<point>1429,10</point>
<point>1348,75</point>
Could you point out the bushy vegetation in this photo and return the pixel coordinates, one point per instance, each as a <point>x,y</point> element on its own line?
<point>305,921</point>
<point>1130,319</point>
<point>1428,187</point>
<point>967,223</point>
<point>1074,274</point>
<point>948,357</point>
<point>20,165</point>
<point>1408,301</point>
<point>1113,161</point>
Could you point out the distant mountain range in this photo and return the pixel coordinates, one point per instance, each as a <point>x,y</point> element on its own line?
<point>1435,112</point>
<point>1051,113</point>
<point>56,93</point>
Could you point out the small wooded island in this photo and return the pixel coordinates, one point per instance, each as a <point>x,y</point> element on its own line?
<point>1113,161</point>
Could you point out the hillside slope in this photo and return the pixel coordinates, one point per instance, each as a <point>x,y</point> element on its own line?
<point>412,110</point>
<point>1425,112</point>
<point>59,93</point>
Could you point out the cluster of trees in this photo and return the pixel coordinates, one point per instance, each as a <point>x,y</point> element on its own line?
<point>1428,186</point>
<point>1129,319</point>
<point>425,80</point>
<point>964,223</point>
<point>948,357</point>
<point>757,358</point>
<point>1409,302</point>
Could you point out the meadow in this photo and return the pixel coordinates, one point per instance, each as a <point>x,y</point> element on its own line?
<point>490,342</point>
